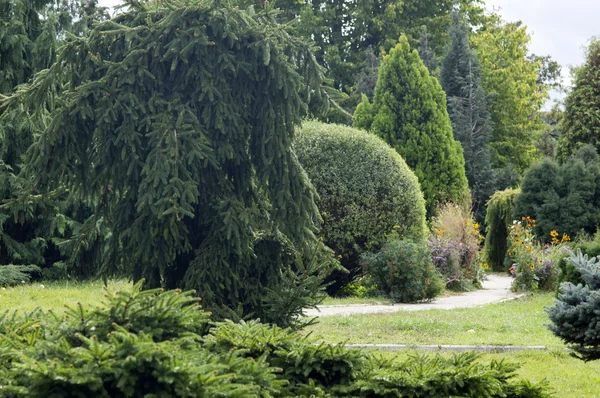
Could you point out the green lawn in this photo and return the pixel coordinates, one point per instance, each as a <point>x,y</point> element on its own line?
<point>519,322</point>
<point>55,295</point>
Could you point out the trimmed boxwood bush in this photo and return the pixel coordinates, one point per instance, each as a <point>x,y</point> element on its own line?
<point>161,344</point>
<point>366,191</point>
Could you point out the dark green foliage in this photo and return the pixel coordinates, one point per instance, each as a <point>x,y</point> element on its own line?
<point>157,344</point>
<point>498,220</point>
<point>576,313</point>
<point>11,275</point>
<point>365,189</point>
<point>426,52</point>
<point>367,78</point>
<point>565,198</point>
<point>173,124</point>
<point>409,113</point>
<point>404,271</point>
<point>30,33</point>
<point>467,107</point>
<point>580,123</point>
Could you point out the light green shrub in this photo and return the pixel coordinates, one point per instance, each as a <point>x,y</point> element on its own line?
<point>365,189</point>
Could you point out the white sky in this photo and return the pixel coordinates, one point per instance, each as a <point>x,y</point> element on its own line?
<point>559,28</point>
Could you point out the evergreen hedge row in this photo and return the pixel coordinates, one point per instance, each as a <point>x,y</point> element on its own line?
<point>162,344</point>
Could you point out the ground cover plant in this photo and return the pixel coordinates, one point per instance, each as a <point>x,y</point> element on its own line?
<point>141,342</point>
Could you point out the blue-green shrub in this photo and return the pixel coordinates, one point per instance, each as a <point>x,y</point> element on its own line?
<point>365,189</point>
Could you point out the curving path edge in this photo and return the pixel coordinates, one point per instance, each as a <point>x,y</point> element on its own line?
<point>495,289</point>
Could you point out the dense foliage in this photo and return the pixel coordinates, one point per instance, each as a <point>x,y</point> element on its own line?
<point>580,123</point>
<point>345,31</point>
<point>498,220</point>
<point>365,189</point>
<point>409,112</point>
<point>404,271</point>
<point>173,124</point>
<point>510,79</point>
<point>30,33</point>
<point>152,343</point>
<point>468,110</point>
<point>563,198</point>
<point>576,314</point>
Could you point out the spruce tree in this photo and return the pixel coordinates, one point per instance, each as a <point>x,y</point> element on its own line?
<point>409,113</point>
<point>580,123</point>
<point>30,33</point>
<point>467,106</point>
<point>174,123</point>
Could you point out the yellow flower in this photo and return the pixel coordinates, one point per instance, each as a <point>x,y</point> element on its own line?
<point>553,233</point>
<point>440,231</point>
<point>565,238</point>
<point>486,265</point>
<point>476,226</point>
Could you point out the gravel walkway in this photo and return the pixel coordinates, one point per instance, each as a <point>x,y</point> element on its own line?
<point>495,289</point>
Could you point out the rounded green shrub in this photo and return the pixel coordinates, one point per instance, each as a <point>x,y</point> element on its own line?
<point>404,271</point>
<point>366,191</point>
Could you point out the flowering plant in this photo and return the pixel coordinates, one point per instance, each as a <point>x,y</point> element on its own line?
<point>455,246</point>
<point>534,266</point>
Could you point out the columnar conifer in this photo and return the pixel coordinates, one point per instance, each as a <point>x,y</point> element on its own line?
<point>409,112</point>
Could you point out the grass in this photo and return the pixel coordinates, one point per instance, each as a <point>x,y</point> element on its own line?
<point>518,322</point>
<point>55,295</point>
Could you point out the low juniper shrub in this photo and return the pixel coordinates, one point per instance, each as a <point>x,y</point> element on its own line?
<point>162,344</point>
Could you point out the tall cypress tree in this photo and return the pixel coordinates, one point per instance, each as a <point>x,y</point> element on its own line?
<point>174,123</point>
<point>409,112</point>
<point>467,107</point>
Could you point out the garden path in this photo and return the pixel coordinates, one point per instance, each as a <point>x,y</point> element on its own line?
<point>495,289</point>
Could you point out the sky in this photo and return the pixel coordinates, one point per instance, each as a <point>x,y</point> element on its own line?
<point>559,28</point>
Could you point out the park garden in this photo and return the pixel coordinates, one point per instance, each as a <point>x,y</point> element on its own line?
<point>182,180</point>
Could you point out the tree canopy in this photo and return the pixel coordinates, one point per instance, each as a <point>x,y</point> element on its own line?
<point>467,106</point>
<point>580,124</point>
<point>173,123</point>
<point>510,79</point>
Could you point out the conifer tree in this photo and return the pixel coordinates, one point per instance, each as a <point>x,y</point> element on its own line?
<point>471,123</point>
<point>30,33</point>
<point>409,112</point>
<point>580,123</point>
<point>174,123</point>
